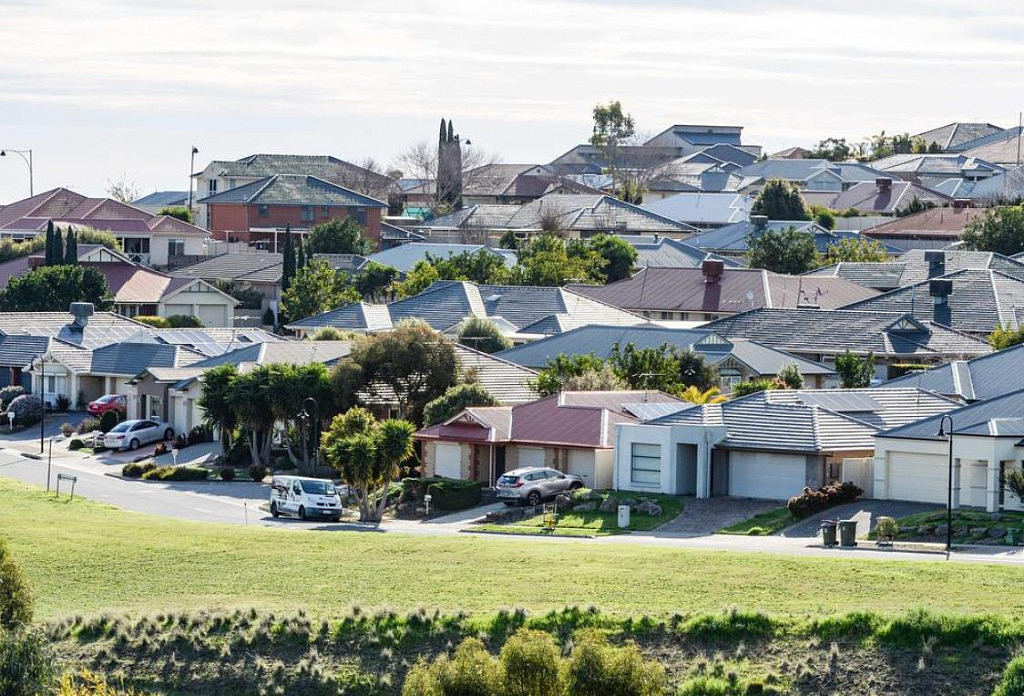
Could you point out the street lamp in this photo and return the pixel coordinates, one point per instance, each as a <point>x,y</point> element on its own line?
<point>949,492</point>
<point>191,175</point>
<point>311,411</point>
<point>27,156</point>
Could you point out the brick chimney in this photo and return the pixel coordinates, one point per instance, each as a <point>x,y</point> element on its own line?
<point>936,261</point>
<point>712,271</point>
<point>759,222</point>
<point>884,184</point>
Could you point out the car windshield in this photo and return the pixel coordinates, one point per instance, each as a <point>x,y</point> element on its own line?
<point>121,427</point>
<point>318,487</point>
<point>507,480</point>
<point>106,399</point>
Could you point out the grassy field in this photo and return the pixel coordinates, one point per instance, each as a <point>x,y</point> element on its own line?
<point>607,522</point>
<point>84,557</point>
<point>765,524</point>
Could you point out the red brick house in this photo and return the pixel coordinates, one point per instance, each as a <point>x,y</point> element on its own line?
<point>259,211</point>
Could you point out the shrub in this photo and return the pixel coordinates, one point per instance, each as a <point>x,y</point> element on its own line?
<point>155,322</point>
<point>76,445</point>
<point>88,684</point>
<point>88,425</point>
<point>9,394</point>
<point>227,474</point>
<point>15,595</point>
<point>268,317</point>
<point>1012,683</point>
<point>26,665</point>
<point>453,494</point>
<point>135,469</point>
<point>529,663</point>
<point>63,403</point>
<point>108,420</point>
<point>198,435</point>
<point>180,442</point>
<point>887,528</point>
<point>814,500</point>
<point>597,668</point>
<point>27,408</point>
<point>67,430</point>
<point>177,473</point>
<point>184,321</point>
<point>239,455</point>
<point>257,472</point>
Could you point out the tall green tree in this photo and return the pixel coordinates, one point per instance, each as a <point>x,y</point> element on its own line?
<point>853,249</point>
<point>288,260</point>
<point>180,212</point>
<point>316,289</point>
<point>215,404</point>
<point>854,371</point>
<point>71,248</point>
<point>58,248</point>
<point>612,126</point>
<point>49,255</point>
<point>252,400</point>
<point>784,251</point>
<point>455,400</point>
<point>620,256</point>
<point>291,385</point>
<point>548,260</point>
<point>421,277</point>
<point>779,200</point>
<point>375,281</point>
<point>300,256</point>
<point>54,288</point>
<point>646,368</point>
<point>1000,230</point>
<point>559,370</point>
<point>480,333</point>
<point>368,455</point>
<point>693,370</point>
<point>1005,336</point>
<point>832,149</point>
<point>337,236</point>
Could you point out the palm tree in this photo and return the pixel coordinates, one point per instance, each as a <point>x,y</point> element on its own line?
<point>217,412</point>
<point>712,395</point>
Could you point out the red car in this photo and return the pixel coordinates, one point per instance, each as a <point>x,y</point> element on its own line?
<point>108,402</point>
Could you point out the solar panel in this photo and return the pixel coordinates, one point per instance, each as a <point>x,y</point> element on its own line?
<point>842,403</point>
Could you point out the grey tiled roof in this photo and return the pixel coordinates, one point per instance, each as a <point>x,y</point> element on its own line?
<point>978,379</point>
<point>129,359</point>
<point>733,238</point>
<point>953,135</point>
<point>867,198</point>
<point>830,332</point>
<point>800,169</point>
<point>981,300</point>
<point>670,253</point>
<point>235,265</point>
<point>1002,415</point>
<point>505,381</point>
<point>703,208</point>
<point>911,268</point>
<point>880,276</point>
<point>293,189</point>
<point>406,256</point>
<point>18,350</point>
<point>323,166</point>
<point>292,352</point>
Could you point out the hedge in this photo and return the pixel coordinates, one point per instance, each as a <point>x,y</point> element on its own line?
<point>814,500</point>
<point>453,494</point>
<point>177,473</point>
<point>135,469</point>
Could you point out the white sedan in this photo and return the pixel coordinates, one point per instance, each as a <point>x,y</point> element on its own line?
<point>131,434</point>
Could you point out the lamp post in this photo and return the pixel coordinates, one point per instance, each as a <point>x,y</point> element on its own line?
<point>311,411</point>
<point>42,400</point>
<point>949,491</point>
<point>27,156</point>
<point>191,174</point>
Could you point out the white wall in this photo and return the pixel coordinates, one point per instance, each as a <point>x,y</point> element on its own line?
<point>667,437</point>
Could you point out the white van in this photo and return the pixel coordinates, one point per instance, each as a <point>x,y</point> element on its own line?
<point>305,498</point>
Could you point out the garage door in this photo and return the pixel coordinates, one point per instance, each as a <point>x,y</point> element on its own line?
<point>212,315</point>
<point>531,456</point>
<point>918,477</point>
<point>448,460</point>
<point>764,475</point>
<point>581,463</point>
<point>174,310</point>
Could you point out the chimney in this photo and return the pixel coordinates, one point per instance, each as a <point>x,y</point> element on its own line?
<point>884,184</point>
<point>759,222</point>
<point>81,311</point>
<point>961,203</point>
<point>712,271</point>
<point>936,263</point>
<point>940,289</point>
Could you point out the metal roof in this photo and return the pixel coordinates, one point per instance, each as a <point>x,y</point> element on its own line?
<point>1001,416</point>
<point>406,256</point>
<point>978,379</point>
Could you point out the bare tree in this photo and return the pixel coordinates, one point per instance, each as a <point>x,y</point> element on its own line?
<point>124,190</point>
<point>420,161</point>
<point>368,177</point>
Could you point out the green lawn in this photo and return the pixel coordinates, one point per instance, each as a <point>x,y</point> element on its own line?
<point>537,531</point>
<point>765,524</point>
<point>607,522</point>
<point>87,557</point>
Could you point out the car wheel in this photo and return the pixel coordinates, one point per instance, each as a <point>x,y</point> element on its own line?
<point>302,513</point>
<point>533,498</point>
<point>336,518</point>
<point>273,511</point>
<point>575,486</point>
<point>168,434</point>
<point>134,444</point>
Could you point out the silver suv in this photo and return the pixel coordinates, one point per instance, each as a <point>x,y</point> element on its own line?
<point>534,484</point>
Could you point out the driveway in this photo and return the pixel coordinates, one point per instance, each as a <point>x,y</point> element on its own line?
<point>866,512</point>
<point>707,516</point>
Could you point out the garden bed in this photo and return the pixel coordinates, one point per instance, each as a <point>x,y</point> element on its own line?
<point>1005,528</point>
<point>765,524</point>
<point>595,512</point>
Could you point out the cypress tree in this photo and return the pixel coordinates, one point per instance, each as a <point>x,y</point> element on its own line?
<point>288,269</point>
<point>300,255</point>
<point>48,253</point>
<point>58,249</point>
<point>71,248</point>
<point>444,132</point>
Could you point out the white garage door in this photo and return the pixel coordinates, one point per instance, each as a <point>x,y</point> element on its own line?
<point>764,475</point>
<point>448,460</point>
<point>531,456</point>
<point>212,315</point>
<point>918,477</point>
<point>581,463</point>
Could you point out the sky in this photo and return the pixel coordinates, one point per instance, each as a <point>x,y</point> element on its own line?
<point>104,90</point>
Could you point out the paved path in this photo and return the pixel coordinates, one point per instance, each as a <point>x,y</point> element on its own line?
<point>866,512</point>
<point>703,517</point>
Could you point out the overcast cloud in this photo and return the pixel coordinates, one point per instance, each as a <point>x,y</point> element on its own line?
<point>101,88</point>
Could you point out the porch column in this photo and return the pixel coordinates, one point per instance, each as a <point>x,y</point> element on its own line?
<point>73,389</point>
<point>992,488</point>
<point>956,483</point>
<point>703,470</point>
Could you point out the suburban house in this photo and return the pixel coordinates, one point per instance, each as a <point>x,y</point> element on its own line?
<point>808,175</point>
<point>713,290</point>
<point>499,184</point>
<point>931,169</point>
<point>882,196</point>
<point>894,338</point>
<point>919,265</point>
<point>731,240</point>
<point>766,445</point>
<point>934,228</point>
<point>403,258</point>
<point>977,379</point>
<point>953,137</point>
<point>222,175</point>
<point>736,360</point>
<point>664,252</point>
<point>527,312</point>
<point>572,432</point>
<point>573,216</point>
<point>247,270</point>
<point>912,462</point>
<point>158,200</point>
<point>704,211</point>
<point>152,240</point>
<point>974,301</point>
<point>795,152</point>
<point>1007,186</point>
<point>258,212</point>
<point>999,148</point>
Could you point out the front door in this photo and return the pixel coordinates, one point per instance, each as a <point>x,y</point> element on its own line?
<point>499,462</point>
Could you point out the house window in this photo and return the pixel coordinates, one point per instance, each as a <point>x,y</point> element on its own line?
<point>358,215</point>
<point>728,378</point>
<point>175,247</point>
<point>211,186</point>
<point>307,213</point>
<point>645,464</point>
<point>325,212</point>
<point>709,317</point>
<point>156,408</point>
<point>135,245</point>
<point>666,315</point>
<point>263,210</point>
